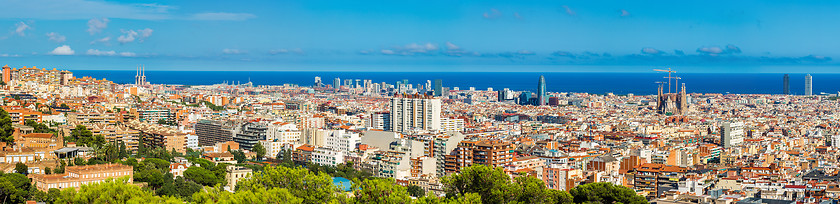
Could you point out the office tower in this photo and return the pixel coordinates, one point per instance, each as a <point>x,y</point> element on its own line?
<point>336,84</point>
<point>438,87</point>
<point>786,85</point>
<point>541,99</point>
<point>809,85</point>
<point>358,83</point>
<point>415,112</point>
<point>348,83</point>
<point>731,134</point>
<point>524,98</point>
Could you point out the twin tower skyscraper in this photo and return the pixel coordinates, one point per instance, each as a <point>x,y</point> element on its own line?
<point>809,85</point>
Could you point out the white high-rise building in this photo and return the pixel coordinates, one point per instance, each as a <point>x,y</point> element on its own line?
<point>342,141</point>
<point>415,112</point>
<point>732,134</point>
<point>283,132</point>
<point>809,84</point>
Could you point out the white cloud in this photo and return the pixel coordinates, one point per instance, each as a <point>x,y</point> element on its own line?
<point>131,35</point>
<point>221,16</point>
<point>95,52</point>
<point>8,55</point>
<point>100,53</point>
<point>21,27</point>
<point>55,37</point>
<point>145,33</point>
<point>97,25</point>
<point>494,13</point>
<point>233,51</point>
<point>62,50</point>
<point>451,46</point>
<point>286,51</point>
<point>388,52</point>
<point>106,40</point>
<point>569,10</point>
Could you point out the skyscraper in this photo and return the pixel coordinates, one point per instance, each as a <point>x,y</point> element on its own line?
<point>786,86</point>
<point>317,81</point>
<point>438,87</point>
<point>809,85</point>
<point>541,97</point>
<point>337,84</point>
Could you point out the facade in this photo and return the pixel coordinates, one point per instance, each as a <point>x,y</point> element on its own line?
<point>731,134</point>
<point>211,132</point>
<point>490,153</point>
<point>380,121</point>
<point>283,132</point>
<point>656,179</point>
<point>672,103</point>
<point>342,141</point>
<point>326,156</point>
<point>154,136</point>
<point>415,112</point>
<point>156,115</point>
<point>236,174</point>
<point>438,88</point>
<point>541,94</point>
<point>76,176</point>
<point>809,85</point>
<point>452,124</point>
<point>443,146</point>
<point>786,85</point>
<point>248,134</point>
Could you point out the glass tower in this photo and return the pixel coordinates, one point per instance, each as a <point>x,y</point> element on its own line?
<point>541,97</point>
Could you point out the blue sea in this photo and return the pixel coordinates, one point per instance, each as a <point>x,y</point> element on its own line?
<point>597,83</point>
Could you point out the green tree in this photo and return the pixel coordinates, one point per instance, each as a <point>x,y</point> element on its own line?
<point>201,176</point>
<point>47,170</point>
<point>416,191</point>
<point>78,161</point>
<point>380,190</point>
<point>6,128</point>
<point>111,191</point>
<point>605,193</point>
<point>14,188</point>
<point>21,168</point>
<point>312,187</point>
<point>493,185</point>
<point>82,136</point>
<point>258,195</point>
<point>180,188</point>
<point>238,155</point>
<point>260,150</point>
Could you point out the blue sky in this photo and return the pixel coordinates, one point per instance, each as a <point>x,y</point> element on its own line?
<point>540,36</point>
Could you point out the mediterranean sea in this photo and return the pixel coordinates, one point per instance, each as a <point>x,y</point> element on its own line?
<point>579,82</point>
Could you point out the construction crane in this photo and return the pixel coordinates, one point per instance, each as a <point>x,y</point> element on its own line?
<point>669,76</point>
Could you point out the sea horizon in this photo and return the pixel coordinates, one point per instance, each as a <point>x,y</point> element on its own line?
<point>575,82</point>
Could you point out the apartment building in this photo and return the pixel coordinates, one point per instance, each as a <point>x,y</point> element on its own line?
<point>76,176</point>
<point>415,112</point>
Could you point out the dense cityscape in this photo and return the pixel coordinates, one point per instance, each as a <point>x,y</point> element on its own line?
<point>422,142</point>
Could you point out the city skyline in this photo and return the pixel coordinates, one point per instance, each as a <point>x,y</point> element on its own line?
<point>539,36</point>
